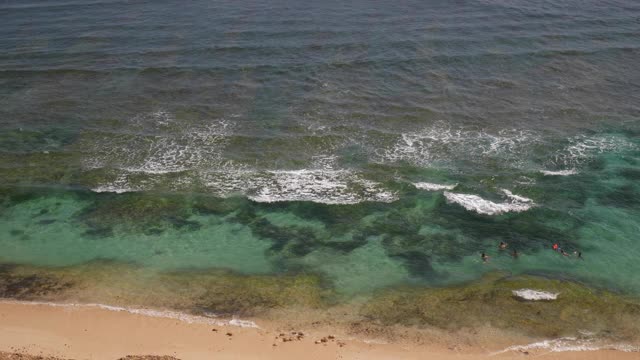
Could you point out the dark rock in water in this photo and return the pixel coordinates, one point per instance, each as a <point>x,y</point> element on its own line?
<point>630,173</point>
<point>16,232</point>
<point>148,357</point>
<point>153,231</point>
<point>30,286</point>
<point>182,223</point>
<point>99,232</point>
<point>46,221</point>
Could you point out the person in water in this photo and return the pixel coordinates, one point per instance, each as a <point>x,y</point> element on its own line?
<point>556,247</point>
<point>503,245</point>
<point>578,254</point>
<point>515,254</point>
<point>484,257</point>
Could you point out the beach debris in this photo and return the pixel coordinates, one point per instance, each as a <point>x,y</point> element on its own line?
<point>143,357</point>
<point>325,340</point>
<point>293,336</point>
<point>535,295</point>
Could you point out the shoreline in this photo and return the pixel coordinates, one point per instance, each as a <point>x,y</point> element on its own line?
<point>96,331</point>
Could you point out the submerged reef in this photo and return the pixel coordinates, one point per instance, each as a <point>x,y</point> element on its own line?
<point>215,291</point>
<point>491,301</point>
<point>487,302</point>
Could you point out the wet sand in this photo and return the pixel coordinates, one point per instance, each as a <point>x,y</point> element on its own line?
<point>95,333</point>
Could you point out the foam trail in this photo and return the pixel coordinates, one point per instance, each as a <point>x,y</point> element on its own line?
<point>559,172</point>
<point>119,186</point>
<point>569,344</point>
<point>535,295</point>
<point>433,187</point>
<point>483,206</point>
<point>515,197</point>
<point>168,314</point>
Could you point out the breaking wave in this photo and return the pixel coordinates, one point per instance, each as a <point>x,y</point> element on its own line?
<point>486,207</point>
<point>559,172</point>
<point>433,187</point>
<point>317,185</point>
<point>515,197</point>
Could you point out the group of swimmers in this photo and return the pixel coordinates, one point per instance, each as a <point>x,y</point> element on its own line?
<point>557,248</point>
<point>503,246</point>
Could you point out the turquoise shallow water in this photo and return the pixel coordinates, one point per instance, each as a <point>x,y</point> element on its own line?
<point>373,145</point>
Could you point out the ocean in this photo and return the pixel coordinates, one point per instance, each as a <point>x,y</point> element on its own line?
<point>237,156</point>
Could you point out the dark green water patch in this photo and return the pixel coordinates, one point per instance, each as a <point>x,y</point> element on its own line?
<point>621,196</point>
<point>137,211</point>
<point>27,141</point>
<point>491,301</point>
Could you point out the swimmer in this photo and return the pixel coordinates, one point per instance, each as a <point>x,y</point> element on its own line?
<point>515,254</point>
<point>484,257</point>
<point>564,253</point>
<point>503,245</point>
<point>578,254</point>
<point>555,247</point>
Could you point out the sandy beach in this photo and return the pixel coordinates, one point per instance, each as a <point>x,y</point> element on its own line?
<point>82,332</point>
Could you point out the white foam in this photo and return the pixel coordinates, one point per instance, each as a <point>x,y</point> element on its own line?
<point>442,143</point>
<point>570,344</point>
<point>433,187</point>
<point>321,186</point>
<point>515,197</point>
<point>160,145</point>
<point>525,180</point>
<point>559,172</point>
<point>483,206</point>
<point>168,314</point>
<point>119,186</point>
<point>583,148</point>
<point>535,295</point>
<point>157,144</point>
<point>112,189</point>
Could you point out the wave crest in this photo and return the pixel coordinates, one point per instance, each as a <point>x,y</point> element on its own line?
<point>486,207</point>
